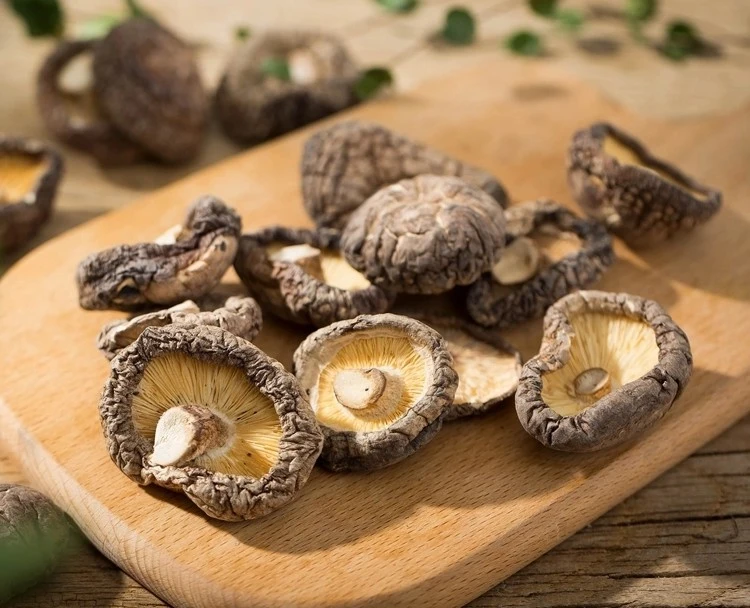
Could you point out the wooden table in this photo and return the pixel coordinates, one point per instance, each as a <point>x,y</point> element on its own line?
<point>682,541</point>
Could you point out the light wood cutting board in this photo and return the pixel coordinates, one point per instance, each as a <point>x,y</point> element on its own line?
<point>480,501</point>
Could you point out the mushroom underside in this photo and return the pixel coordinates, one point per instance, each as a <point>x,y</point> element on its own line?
<point>19,176</point>
<point>326,265</point>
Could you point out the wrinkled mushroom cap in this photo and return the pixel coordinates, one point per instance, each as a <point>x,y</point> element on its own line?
<point>238,315</point>
<point>379,386</point>
<point>641,198</point>
<point>34,535</point>
<point>187,264</point>
<point>610,366</point>
<point>345,164</point>
<point>30,173</point>
<point>425,235</point>
<point>318,290</point>
<point>572,253</point>
<point>270,439</point>
<point>253,106</point>
<point>148,86</point>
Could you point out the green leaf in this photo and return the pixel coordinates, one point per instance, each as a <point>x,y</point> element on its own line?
<point>242,33</point>
<point>41,17</point>
<point>136,10</point>
<point>641,10</point>
<point>545,8</point>
<point>276,67</point>
<point>570,19</point>
<point>524,42</point>
<point>398,6</point>
<point>459,28</point>
<point>681,40</point>
<point>98,27</point>
<point>371,82</point>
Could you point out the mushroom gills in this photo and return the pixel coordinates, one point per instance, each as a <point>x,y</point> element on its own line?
<point>19,177</point>
<point>606,352</point>
<point>205,414</point>
<point>627,156</point>
<point>327,265</point>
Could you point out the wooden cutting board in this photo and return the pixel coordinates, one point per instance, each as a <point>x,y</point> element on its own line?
<point>480,501</point>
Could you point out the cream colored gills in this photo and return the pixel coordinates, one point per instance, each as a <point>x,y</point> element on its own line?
<point>19,177</point>
<point>325,265</point>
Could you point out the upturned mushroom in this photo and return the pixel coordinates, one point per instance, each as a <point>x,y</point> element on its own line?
<point>379,385</point>
<point>346,163</point>
<point>30,172</point>
<point>185,263</point>
<point>66,101</point>
<point>238,315</point>
<point>34,535</point>
<point>301,276</point>
<point>425,235</point>
<point>551,252</point>
<point>610,366</point>
<point>639,197</point>
<point>148,86</point>
<point>282,81</point>
<point>198,410</point>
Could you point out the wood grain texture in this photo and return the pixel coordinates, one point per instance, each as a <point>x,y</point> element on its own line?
<point>437,528</point>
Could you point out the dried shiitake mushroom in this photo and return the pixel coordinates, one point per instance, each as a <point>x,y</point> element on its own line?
<point>238,315</point>
<point>34,535</point>
<point>196,409</point>
<point>610,366</point>
<point>488,367</point>
<point>639,197</point>
<point>147,84</point>
<point>551,252</point>
<point>379,385</point>
<point>65,96</point>
<point>343,165</point>
<point>30,172</point>
<point>185,263</point>
<point>253,105</point>
<point>301,276</point>
<point>425,235</point>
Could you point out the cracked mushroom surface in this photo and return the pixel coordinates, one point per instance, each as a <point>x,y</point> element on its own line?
<point>198,410</point>
<point>253,106</point>
<point>301,276</point>
<point>425,235</point>
<point>550,253</point>
<point>147,84</point>
<point>34,535</point>
<point>30,172</point>
<point>380,386</point>
<point>641,198</point>
<point>186,262</point>
<point>66,101</point>
<point>238,315</point>
<point>345,164</point>
<point>610,366</point>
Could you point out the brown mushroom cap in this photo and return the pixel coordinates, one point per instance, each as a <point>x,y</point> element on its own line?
<point>73,116</point>
<point>148,85</point>
<point>30,172</point>
<point>257,437</point>
<point>346,163</point>
<point>253,106</point>
<point>610,366</point>
<point>574,253</point>
<point>238,315</point>
<point>34,535</point>
<point>324,290</point>
<point>641,198</point>
<point>187,265</point>
<point>379,385</point>
<point>425,235</point>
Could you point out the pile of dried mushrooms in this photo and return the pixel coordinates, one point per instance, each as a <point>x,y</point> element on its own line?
<point>416,266</point>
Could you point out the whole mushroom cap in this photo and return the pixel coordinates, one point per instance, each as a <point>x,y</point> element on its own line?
<point>641,198</point>
<point>610,366</point>
<point>425,235</point>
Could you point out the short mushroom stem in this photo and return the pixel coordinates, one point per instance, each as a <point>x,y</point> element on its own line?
<point>359,389</point>
<point>303,68</point>
<point>304,256</point>
<point>77,76</point>
<point>170,236</point>
<point>519,262</point>
<point>593,383</point>
<point>185,432</point>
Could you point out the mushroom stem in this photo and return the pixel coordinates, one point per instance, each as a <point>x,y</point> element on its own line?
<point>185,432</point>
<point>519,262</point>
<point>594,383</point>
<point>359,389</point>
<point>303,68</point>
<point>306,257</point>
